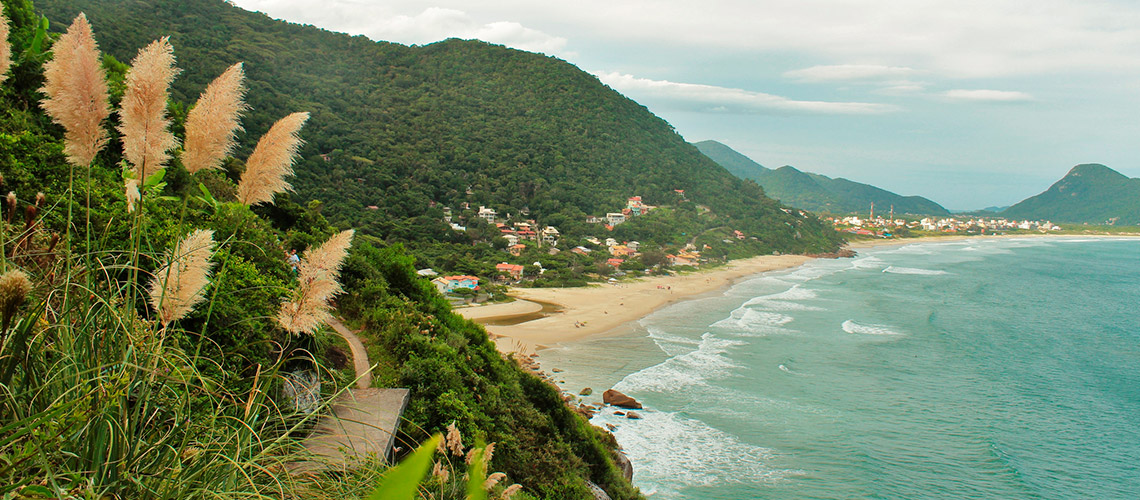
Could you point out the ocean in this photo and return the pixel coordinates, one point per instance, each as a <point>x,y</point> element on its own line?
<point>1002,368</point>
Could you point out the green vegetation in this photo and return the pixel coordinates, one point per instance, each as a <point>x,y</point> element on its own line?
<point>412,130</point>
<point>817,192</point>
<point>1090,193</point>
<point>103,394</point>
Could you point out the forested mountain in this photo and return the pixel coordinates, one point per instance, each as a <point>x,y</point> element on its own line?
<point>410,130</point>
<point>816,192</point>
<point>1089,193</point>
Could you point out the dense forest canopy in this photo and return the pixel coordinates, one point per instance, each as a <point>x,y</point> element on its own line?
<point>410,130</point>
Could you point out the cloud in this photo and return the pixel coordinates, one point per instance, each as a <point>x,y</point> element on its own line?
<point>434,24</point>
<point>982,95</point>
<point>710,98</point>
<point>392,21</point>
<point>849,72</point>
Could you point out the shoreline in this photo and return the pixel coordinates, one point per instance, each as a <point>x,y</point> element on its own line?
<point>599,310</point>
<point>529,323</point>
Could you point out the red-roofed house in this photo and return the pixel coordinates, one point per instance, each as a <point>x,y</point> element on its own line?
<point>514,270</point>
<point>615,262</point>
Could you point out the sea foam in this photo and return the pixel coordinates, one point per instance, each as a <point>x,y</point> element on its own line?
<point>850,326</point>
<point>913,270</point>
<point>673,452</point>
<point>694,368</point>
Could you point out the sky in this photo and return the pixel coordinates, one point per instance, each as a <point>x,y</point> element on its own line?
<point>971,103</point>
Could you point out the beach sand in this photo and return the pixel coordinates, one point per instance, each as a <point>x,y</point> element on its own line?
<point>602,309</point>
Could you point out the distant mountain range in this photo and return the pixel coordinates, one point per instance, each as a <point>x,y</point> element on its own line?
<point>815,192</point>
<point>1089,193</point>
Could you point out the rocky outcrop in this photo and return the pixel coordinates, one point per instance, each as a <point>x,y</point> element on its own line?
<point>615,398</point>
<point>624,464</point>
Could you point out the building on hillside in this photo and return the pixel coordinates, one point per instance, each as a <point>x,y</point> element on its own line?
<point>636,207</point>
<point>593,240</point>
<point>620,251</point>
<point>427,272</point>
<point>512,239</point>
<point>610,242</point>
<point>633,245</point>
<point>516,249</point>
<point>581,250</point>
<point>615,218</point>
<point>550,235</point>
<point>451,283</point>
<point>592,219</point>
<point>614,262</point>
<point>487,214</point>
<point>513,270</point>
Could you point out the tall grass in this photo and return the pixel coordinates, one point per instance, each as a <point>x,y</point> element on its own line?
<point>97,399</point>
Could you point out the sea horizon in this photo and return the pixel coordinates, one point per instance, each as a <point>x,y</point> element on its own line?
<point>831,380</point>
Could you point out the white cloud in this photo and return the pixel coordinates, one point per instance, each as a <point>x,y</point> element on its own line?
<point>408,23</point>
<point>983,95</point>
<point>849,72</point>
<point>710,98</point>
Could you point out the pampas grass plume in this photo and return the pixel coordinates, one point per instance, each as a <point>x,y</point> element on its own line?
<point>511,490</point>
<point>132,193</point>
<point>318,277</point>
<point>493,480</point>
<point>213,123</point>
<point>5,47</point>
<point>180,285</point>
<point>76,91</point>
<point>272,160</point>
<point>147,139</point>
<point>14,289</point>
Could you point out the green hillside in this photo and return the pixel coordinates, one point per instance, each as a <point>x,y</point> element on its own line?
<point>411,130</point>
<point>1089,193</point>
<point>816,192</point>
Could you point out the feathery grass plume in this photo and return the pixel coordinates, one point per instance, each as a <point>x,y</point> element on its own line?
<point>213,123</point>
<point>510,491</point>
<point>14,289</point>
<point>454,440</point>
<point>5,47</point>
<point>441,471</point>
<point>132,192</point>
<point>317,274</point>
<point>147,139</point>
<point>76,91</point>
<point>493,480</point>
<point>271,161</point>
<point>179,286</point>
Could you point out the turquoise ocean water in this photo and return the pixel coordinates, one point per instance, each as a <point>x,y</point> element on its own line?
<point>1003,369</point>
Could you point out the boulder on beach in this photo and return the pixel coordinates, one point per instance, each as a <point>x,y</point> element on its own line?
<point>632,414</point>
<point>586,392</point>
<point>612,397</point>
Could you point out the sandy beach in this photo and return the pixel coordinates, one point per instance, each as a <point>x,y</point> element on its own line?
<point>600,309</point>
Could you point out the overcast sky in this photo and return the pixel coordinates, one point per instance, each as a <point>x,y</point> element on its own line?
<point>971,103</point>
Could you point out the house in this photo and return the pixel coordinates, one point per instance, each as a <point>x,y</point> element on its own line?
<point>452,283</point>
<point>516,249</point>
<point>487,214</point>
<point>739,235</point>
<point>512,239</point>
<point>593,240</point>
<point>610,242</point>
<point>592,219</point>
<point>633,245</point>
<point>550,235</point>
<point>614,262</point>
<point>427,272</point>
<point>513,270</point>
<point>636,206</point>
<point>620,251</point>
<point>580,250</point>
<point>615,218</point>
<point>684,259</point>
